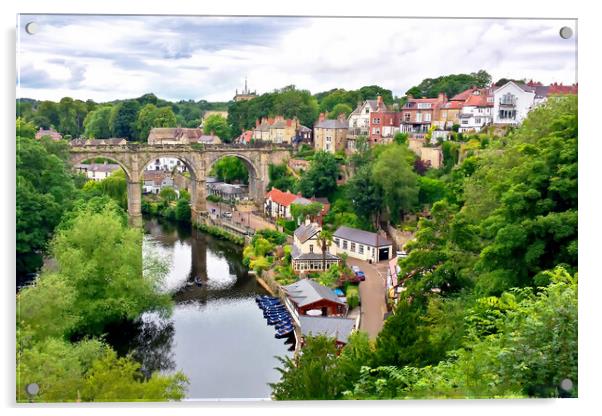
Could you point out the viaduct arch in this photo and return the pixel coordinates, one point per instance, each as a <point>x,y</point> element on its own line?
<point>134,157</point>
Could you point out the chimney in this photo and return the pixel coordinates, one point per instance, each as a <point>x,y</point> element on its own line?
<point>442,97</point>
<point>321,118</point>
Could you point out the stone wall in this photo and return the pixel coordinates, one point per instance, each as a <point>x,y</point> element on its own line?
<point>400,238</point>
<point>432,156</point>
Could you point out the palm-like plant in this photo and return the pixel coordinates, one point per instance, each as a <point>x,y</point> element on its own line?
<point>324,241</point>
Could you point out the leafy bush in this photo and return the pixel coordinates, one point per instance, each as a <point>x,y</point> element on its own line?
<point>353,297</point>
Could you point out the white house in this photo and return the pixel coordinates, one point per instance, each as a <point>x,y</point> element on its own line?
<point>167,164</point>
<point>476,111</point>
<point>97,171</point>
<point>278,204</point>
<point>359,119</point>
<point>154,181</point>
<point>363,245</point>
<point>512,103</point>
<point>307,253</point>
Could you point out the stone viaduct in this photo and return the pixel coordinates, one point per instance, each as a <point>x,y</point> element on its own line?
<point>134,157</point>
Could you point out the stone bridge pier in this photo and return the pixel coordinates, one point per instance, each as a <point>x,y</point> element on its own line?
<point>133,159</point>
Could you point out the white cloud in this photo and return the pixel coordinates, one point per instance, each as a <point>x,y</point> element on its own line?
<point>106,58</point>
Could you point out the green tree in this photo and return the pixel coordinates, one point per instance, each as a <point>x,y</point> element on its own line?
<point>366,195</point>
<point>44,190</point>
<point>102,259</point>
<point>183,212</point>
<point>123,119</point>
<point>281,178</point>
<point>324,240</point>
<point>340,109</point>
<point>321,178</point>
<point>218,125</point>
<point>98,123</point>
<point>299,211</point>
<point>393,173</point>
<point>313,377</point>
<point>168,194</point>
<point>150,116</point>
<point>230,169</point>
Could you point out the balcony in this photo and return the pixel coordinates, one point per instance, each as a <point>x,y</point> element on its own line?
<point>358,131</point>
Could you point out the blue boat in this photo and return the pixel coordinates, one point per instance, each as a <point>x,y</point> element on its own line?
<point>286,325</point>
<point>278,315</point>
<point>275,320</point>
<point>272,314</point>
<point>264,305</point>
<point>283,333</point>
<point>264,297</point>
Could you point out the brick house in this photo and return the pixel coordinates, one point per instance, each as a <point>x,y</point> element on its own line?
<point>307,295</point>
<point>418,114</point>
<point>277,204</point>
<point>384,123</point>
<point>477,110</point>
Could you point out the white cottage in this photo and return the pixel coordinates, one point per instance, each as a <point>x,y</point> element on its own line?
<point>512,103</point>
<point>307,253</point>
<point>362,245</point>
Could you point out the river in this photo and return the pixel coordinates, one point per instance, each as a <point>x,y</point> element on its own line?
<point>216,334</point>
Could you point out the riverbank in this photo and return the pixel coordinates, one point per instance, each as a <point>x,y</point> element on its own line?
<point>219,232</point>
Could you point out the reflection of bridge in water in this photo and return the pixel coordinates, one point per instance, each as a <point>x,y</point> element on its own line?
<point>134,157</point>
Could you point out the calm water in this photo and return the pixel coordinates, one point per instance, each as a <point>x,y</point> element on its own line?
<point>216,335</point>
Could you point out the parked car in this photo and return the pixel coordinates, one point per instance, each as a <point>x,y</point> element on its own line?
<point>355,269</point>
<point>227,214</point>
<point>360,275</point>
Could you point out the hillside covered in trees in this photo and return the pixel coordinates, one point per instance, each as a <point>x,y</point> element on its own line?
<point>489,305</point>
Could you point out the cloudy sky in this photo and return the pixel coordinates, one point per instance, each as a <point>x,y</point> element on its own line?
<point>114,57</point>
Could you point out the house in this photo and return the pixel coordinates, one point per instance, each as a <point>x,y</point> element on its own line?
<point>307,295</point>
<point>155,180</point>
<point>476,110</point>
<point>167,164</point>
<point>338,328</point>
<point>307,253</point>
<point>278,204</point>
<point>97,171</point>
<point>418,114</point>
<point>304,135</point>
<point>173,135</point>
<point>330,135</point>
<point>392,283</point>
<point>227,191</point>
<point>384,123</point>
<point>514,100</point>
<point>359,119</point>
<point>276,129</point>
<point>52,133</point>
<point>245,137</point>
<point>363,245</point>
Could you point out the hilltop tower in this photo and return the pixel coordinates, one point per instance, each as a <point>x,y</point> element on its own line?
<point>245,94</point>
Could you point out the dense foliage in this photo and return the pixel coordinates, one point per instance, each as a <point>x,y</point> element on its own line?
<point>490,302</point>
<point>450,84</point>
<point>99,279</point>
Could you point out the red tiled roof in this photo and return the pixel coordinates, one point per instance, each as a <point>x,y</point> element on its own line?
<point>462,96</point>
<point>453,105</point>
<point>478,101</point>
<point>281,198</point>
<point>563,89</point>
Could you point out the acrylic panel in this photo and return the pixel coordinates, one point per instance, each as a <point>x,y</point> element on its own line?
<point>285,208</point>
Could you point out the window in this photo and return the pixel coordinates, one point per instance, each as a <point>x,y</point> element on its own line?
<point>337,242</point>
<point>353,247</point>
<point>424,105</point>
<point>427,117</point>
<point>311,248</point>
<point>360,249</point>
<point>328,139</point>
<point>376,121</point>
<point>344,244</point>
<point>407,117</point>
<point>367,111</point>
<point>418,117</point>
<point>508,99</point>
<point>477,120</point>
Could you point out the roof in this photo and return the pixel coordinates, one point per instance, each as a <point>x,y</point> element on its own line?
<point>339,328</point>
<point>282,198</point>
<point>173,133</point>
<point>208,139</point>
<point>306,231</point>
<point>155,176</point>
<point>306,291</point>
<point>361,236</point>
<point>478,101</point>
<point>332,124</point>
<point>463,96</point>
<point>55,135</point>
<point>98,167</point>
<point>297,254</point>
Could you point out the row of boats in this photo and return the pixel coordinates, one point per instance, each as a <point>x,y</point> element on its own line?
<point>276,314</point>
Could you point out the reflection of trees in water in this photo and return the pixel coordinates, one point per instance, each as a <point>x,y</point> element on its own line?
<point>149,340</point>
<point>153,346</point>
